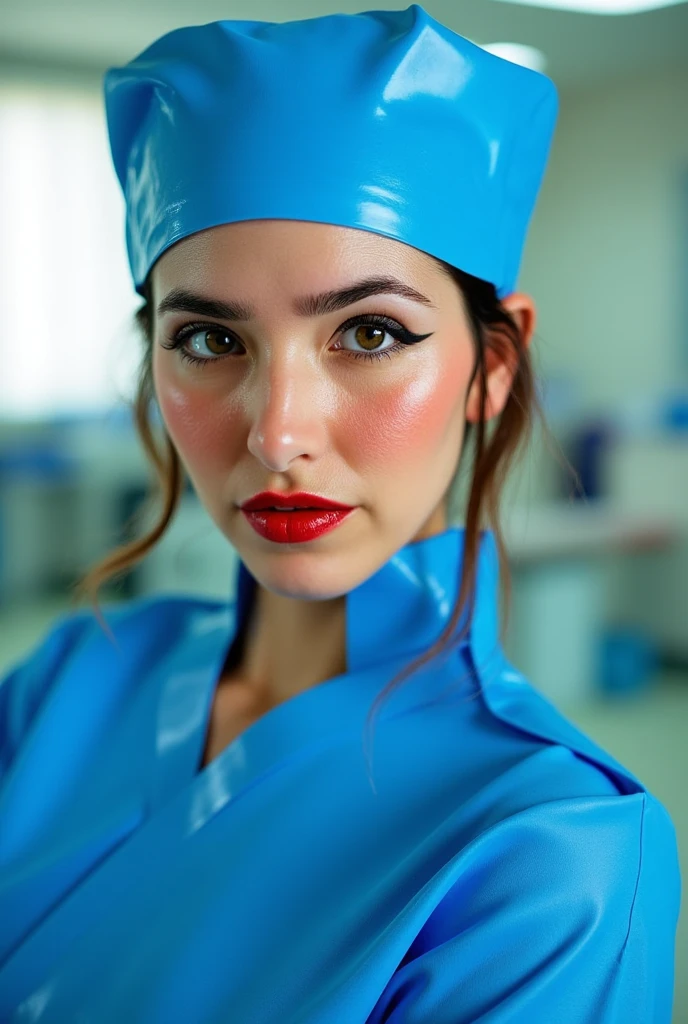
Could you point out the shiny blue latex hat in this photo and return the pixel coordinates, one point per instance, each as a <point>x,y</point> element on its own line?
<point>386,121</point>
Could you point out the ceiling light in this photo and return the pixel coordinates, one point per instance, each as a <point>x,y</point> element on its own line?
<point>600,6</point>
<point>518,53</point>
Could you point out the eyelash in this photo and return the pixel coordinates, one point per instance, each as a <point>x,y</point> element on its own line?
<point>392,328</point>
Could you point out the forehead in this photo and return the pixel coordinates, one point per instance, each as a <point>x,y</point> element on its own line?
<point>289,249</point>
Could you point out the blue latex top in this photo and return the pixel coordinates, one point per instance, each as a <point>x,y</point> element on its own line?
<point>386,121</point>
<point>503,866</point>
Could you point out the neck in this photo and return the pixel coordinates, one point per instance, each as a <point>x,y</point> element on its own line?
<point>273,664</point>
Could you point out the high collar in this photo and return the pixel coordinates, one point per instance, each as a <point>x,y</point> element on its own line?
<point>391,618</point>
<point>404,607</point>
<point>396,614</point>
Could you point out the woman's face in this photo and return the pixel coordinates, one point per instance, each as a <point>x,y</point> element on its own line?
<point>290,406</point>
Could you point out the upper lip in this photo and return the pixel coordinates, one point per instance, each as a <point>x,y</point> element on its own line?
<point>299,499</point>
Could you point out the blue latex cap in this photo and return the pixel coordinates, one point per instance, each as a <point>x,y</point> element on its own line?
<point>385,121</point>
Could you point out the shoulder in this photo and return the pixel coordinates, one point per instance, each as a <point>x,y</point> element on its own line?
<point>565,910</point>
<point>139,619</point>
<point>76,646</point>
<point>573,800</point>
<point>577,851</point>
<point>514,702</point>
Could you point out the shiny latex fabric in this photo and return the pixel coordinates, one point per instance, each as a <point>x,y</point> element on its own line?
<point>386,121</point>
<point>503,867</point>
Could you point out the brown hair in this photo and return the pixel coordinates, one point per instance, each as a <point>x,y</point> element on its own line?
<point>495,449</point>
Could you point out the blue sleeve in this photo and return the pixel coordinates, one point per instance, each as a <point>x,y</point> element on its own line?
<point>26,685</point>
<point>566,911</point>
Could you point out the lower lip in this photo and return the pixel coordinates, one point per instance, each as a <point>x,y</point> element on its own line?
<point>298,526</point>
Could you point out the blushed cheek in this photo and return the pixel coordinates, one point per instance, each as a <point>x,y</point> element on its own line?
<point>201,430</point>
<point>405,424</point>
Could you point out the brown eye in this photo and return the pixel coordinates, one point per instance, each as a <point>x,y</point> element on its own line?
<point>217,342</point>
<point>369,336</point>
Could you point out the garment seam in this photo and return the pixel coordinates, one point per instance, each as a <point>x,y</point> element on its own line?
<point>637,881</point>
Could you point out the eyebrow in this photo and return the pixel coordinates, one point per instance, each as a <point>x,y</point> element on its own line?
<point>181,300</point>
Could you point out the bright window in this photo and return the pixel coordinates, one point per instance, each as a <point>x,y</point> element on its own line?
<point>66,344</point>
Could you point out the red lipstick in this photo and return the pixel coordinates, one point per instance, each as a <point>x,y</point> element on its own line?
<point>312,515</point>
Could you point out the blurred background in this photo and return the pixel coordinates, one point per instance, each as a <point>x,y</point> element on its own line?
<point>599,619</point>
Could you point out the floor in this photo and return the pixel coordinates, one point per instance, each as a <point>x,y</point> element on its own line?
<point>647,733</point>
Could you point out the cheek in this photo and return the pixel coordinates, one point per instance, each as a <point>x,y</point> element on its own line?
<point>200,428</point>
<point>406,423</point>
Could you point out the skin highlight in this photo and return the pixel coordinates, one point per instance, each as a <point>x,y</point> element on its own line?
<point>290,409</point>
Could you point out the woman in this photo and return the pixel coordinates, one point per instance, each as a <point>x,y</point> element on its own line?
<point>326,220</point>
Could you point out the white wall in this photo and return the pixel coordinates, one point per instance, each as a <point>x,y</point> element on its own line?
<point>611,297</point>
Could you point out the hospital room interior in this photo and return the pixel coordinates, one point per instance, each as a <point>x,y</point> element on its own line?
<point>594,513</point>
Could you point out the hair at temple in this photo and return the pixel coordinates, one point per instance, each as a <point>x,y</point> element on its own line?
<point>495,448</point>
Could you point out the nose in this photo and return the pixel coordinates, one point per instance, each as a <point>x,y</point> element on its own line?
<point>287,413</point>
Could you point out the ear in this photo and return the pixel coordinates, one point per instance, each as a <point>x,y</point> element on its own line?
<point>500,367</point>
